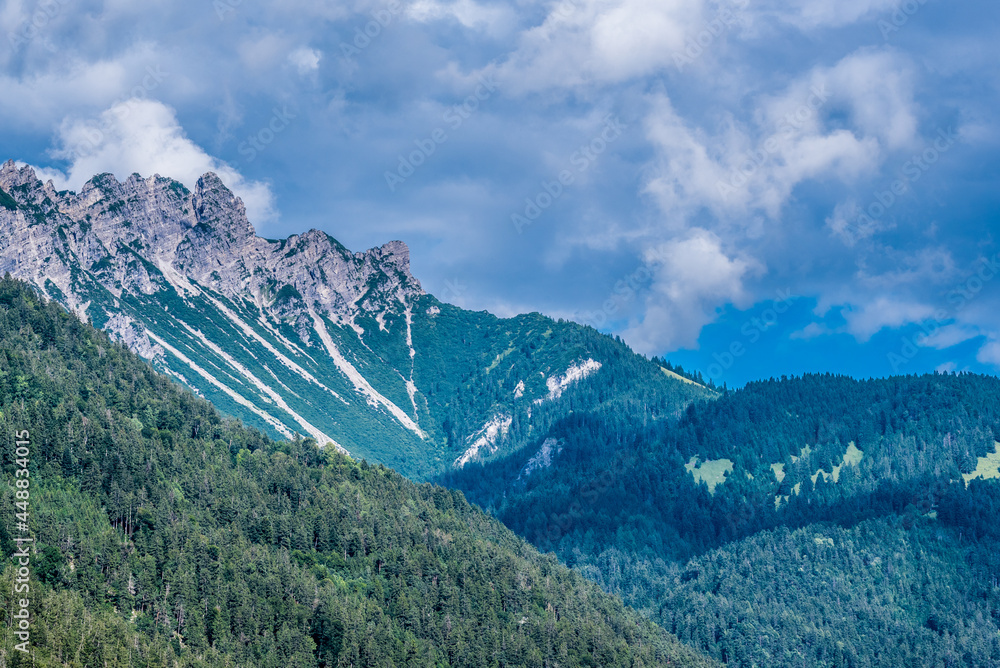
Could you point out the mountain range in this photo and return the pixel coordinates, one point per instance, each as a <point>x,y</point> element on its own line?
<point>820,520</point>
<point>300,335</point>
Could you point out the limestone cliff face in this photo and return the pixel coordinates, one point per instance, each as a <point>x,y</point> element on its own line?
<point>145,234</point>
<point>272,331</point>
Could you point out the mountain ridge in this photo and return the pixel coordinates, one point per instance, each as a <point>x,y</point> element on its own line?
<point>768,526</point>
<point>301,334</point>
<point>194,230</point>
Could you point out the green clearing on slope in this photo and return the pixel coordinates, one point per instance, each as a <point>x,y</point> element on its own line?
<point>987,467</point>
<point>713,472</point>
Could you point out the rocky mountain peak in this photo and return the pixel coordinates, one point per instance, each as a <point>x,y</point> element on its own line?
<point>149,234</point>
<point>215,205</point>
<point>180,277</point>
<point>12,176</point>
<point>395,253</point>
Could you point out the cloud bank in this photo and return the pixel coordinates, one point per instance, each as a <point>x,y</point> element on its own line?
<point>846,152</point>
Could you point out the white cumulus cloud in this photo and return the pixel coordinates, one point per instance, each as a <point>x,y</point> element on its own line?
<point>494,19</point>
<point>738,166</point>
<point>601,41</point>
<point>810,14</point>
<point>881,312</point>
<point>990,353</point>
<point>143,136</point>
<point>693,276</point>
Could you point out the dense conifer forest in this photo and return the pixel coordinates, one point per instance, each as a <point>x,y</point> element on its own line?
<point>167,535</point>
<point>808,521</point>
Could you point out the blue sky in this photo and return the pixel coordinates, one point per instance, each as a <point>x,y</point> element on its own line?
<point>666,170</point>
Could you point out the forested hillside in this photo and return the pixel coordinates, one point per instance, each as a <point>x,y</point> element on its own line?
<point>167,535</point>
<point>475,366</point>
<point>818,520</point>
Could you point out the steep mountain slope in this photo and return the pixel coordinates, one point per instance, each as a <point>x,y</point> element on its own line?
<point>302,335</point>
<point>167,536</point>
<point>671,514</point>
